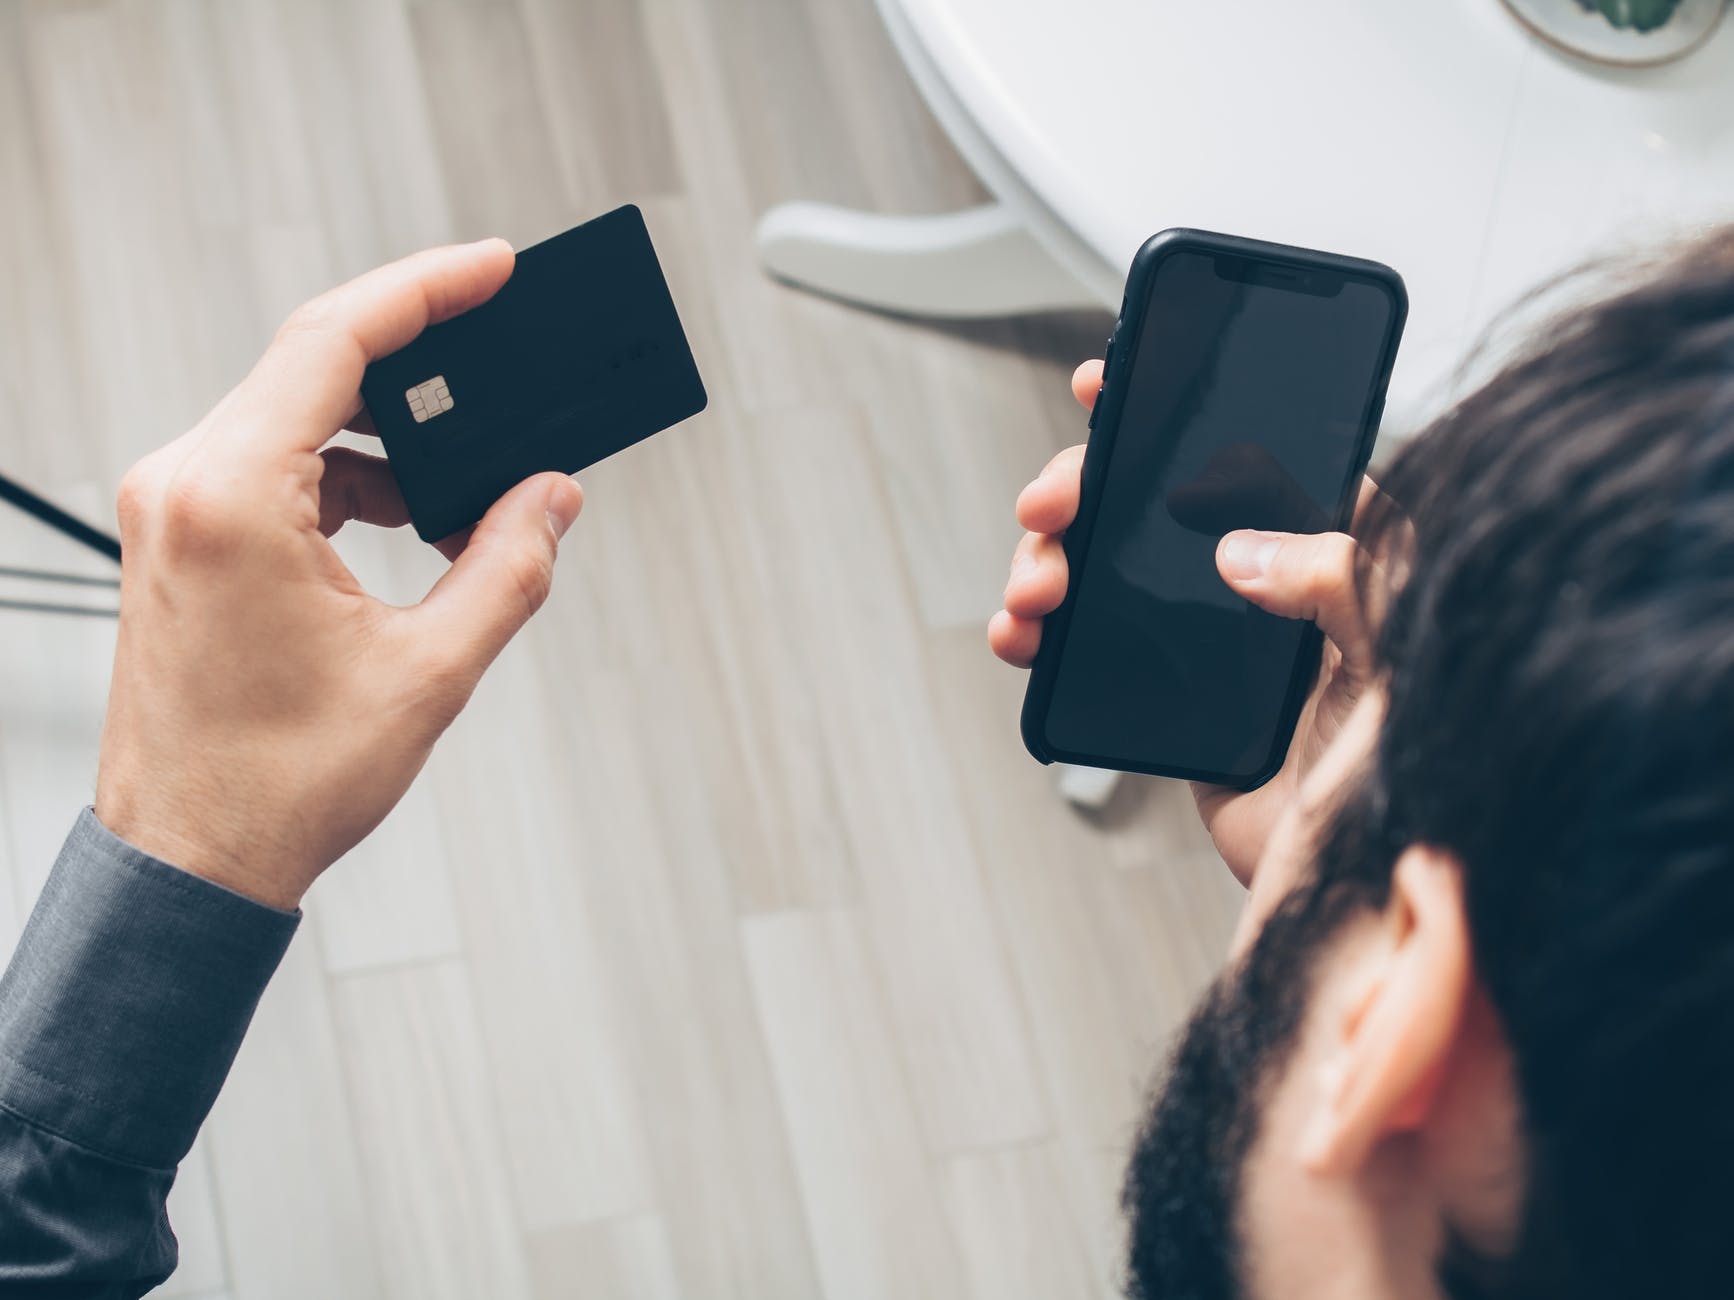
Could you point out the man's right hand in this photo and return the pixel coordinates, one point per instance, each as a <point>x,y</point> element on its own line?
<point>1293,575</point>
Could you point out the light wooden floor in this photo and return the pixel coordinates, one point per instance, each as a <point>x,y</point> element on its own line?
<point>730,945</point>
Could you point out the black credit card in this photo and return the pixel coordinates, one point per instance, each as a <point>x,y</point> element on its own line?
<point>578,355</point>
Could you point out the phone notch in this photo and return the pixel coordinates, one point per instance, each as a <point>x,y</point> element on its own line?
<point>1279,275</point>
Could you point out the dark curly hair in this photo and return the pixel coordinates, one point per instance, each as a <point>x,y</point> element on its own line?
<point>1558,643</point>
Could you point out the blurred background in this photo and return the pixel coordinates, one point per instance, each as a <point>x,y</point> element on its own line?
<point>730,945</point>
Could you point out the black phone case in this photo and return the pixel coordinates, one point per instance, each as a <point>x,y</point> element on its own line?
<point>1104,426</point>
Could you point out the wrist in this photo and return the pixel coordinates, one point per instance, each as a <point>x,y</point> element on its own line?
<point>195,844</point>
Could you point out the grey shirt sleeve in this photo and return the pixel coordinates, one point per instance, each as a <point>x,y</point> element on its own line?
<point>120,1015</point>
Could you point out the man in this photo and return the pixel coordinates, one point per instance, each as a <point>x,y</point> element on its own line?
<point>1476,1024</point>
<point>1478,1029</point>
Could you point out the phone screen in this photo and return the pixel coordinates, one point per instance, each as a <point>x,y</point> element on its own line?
<point>1244,406</point>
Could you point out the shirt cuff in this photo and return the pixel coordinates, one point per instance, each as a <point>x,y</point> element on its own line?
<point>128,996</point>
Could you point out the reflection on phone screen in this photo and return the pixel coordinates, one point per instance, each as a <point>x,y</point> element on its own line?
<point>1244,409</point>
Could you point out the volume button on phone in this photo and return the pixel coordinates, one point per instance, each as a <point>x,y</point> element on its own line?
<point>1107,360</point>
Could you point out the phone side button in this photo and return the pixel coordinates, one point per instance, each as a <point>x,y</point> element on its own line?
<point>1107,361</point>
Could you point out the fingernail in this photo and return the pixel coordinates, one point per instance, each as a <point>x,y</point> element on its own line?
<point>563,508</point>
<point>1247,554</point>
<point>1024,564</point>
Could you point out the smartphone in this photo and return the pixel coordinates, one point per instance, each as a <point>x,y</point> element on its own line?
<point>1243,387</point>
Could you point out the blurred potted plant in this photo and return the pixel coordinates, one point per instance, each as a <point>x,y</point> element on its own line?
<point>1626,32</point>
<point>1638,15</point>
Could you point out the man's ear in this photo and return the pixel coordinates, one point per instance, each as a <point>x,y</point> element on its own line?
<point>1393,1033</point>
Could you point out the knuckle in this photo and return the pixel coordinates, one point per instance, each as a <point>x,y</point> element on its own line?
<point>1330,568</point>
<point>321,328</point>
<point>1346,553</point>
<point>314,316</point>
<point>195,515</point>
<point>134,499</point>
<point>533,578</point>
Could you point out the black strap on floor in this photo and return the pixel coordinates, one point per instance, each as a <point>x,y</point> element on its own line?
<point>14,493</point>
<point>106,544</point>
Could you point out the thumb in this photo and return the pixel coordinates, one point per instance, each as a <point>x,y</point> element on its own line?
<point>1302,575</point>
<point>502,575</point>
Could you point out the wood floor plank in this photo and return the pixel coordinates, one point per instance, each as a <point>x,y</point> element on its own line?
<point>878,1228</point>
<point>495,136</point>
<point>1092,1180</point>
<point>53,692</point>
<point>1018,1233</point>
<point>45,407</point>
<point>780,348</point>
<point>1153,822</point>
<point>1108,959</point>
<point>389,900</point>
<point>429,1136</point>
<point>54,673</point>
<point>629,1257</point>
<point>668,935</point>
<point>232,107</point>
<point>958,434</point>
<point>951,990</point>
<point>894,143</point>
<point>784,155</point>
<point>98,82</point>
<point>358,88</point>
<point>12,911</point>
<point>569,1107</point>
<point>603,96</point>
<point>192,1209</point>
<point>711,566</point>
<point>1195,904</point>
<point>297,1216</point>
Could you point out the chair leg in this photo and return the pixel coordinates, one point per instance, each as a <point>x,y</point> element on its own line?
<point>1086,787</point>
<point>978,263</point>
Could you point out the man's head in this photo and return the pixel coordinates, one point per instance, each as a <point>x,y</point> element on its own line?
<point>1483,1041</point>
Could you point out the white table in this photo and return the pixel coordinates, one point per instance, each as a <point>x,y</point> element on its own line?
<point>1436,135</point>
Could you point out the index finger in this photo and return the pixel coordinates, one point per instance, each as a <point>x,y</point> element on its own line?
<point>1049,504</point>
<point>308,383</point>
<point>1087,382</point>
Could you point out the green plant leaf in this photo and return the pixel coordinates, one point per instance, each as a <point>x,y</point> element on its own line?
<point>1634,15</point>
